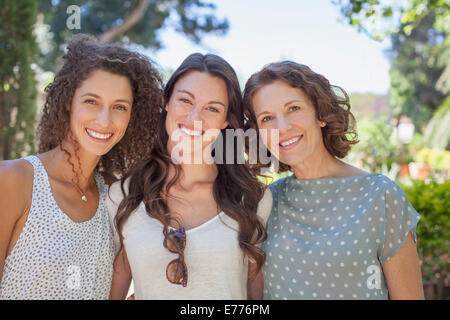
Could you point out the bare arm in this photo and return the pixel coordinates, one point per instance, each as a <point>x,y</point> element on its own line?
<point>14,185</point>
<point>255,286</point>
<point>402,273</point>
<point>121,277</point>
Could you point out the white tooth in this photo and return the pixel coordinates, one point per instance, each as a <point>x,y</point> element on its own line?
<point>289,142</point>
<point>191,133</point>
<point>99,135</point>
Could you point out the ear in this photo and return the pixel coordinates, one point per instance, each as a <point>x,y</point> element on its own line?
<point>225,124</point>
<point>166,108</point>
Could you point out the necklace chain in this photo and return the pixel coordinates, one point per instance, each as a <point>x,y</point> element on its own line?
<point>83,194</point>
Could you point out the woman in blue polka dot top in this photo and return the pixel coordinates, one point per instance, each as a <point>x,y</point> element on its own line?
<point>335,231</point>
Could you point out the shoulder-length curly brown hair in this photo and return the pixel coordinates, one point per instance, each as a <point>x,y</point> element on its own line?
<point>84,55</point>
<point>334,109</point>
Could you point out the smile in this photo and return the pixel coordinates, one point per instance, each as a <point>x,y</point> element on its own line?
<point>286,144</point>
<point>189,132</point>
<point>99,136</point>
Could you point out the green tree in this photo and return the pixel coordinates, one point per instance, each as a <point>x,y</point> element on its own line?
<point>416,70</point>
<point>377,150</point>
<point>420,54</point>
<point>437,133</point>
<point>129,21</point>
<point>18,51</point>
<point>432,200</point>
<point>379,18</point>
<point>126,21</point>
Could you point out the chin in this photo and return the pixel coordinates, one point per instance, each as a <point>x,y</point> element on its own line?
<point>291,161</point>
<point>97,151</point>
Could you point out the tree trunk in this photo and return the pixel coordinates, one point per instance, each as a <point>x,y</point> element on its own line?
<point>136,15</point>
<point>5,147</point>
<point>2,125</point>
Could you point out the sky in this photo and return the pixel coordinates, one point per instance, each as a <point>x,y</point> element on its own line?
<point>305,31</point>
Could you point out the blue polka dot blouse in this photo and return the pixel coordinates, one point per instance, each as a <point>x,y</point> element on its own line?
<point>328,238</point>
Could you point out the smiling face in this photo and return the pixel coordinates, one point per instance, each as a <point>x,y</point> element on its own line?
<point>279,106</point>
<point>100,111</point>
<point>197,109</point>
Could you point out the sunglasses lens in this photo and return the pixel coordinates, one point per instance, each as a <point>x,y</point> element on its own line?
<point>176,272</point>
<point>176,241</point>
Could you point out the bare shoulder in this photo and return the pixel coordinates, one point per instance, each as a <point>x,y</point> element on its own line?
<point>15,171</point>
<point>16,185</point>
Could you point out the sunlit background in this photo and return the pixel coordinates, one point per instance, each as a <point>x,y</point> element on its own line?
<point>392,57</point>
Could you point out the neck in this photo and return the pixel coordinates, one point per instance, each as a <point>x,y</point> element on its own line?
<point>84,167</point>
<point>193,175</point>
<point>318,165</point>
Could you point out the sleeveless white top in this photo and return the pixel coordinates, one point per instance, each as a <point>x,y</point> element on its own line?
<point>56,257</point>
<point>217,268</point>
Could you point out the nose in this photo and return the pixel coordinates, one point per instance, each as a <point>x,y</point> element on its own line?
<point>195,114</point>
<point>103,118</point>
<point>283,124</point>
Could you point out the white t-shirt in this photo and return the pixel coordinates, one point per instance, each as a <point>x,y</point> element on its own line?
<point>216,265</point>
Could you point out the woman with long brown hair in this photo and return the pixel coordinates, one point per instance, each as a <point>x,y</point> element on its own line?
<point>56,241</point>
<point>192,229</point>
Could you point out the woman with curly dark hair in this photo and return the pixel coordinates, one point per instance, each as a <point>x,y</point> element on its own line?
<point>99,118</point>
<point>192,229</point>
<point>335,231</point>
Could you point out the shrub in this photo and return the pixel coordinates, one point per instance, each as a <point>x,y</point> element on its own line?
<point>439,160</point>
<point>432,200</point>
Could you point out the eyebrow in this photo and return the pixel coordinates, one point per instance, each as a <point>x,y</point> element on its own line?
<point>292,101</point>
<point>193,97</point>
<point>261,113</point>
<point>285,105</point>
<point>98,97</point>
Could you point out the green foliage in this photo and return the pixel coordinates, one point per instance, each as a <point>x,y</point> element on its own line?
<point>18,48</point>
<point>366,15</point>
<point>402,98</point>
<point>369,105</point>
<point>18,51</point>
<point>192,18</point>
<point>419,30</point>
<point>438,160</point>
<point>437,132</point>
<point>432,201</point>
<point>380,18</point>
<point>377,148</point>
<point>416,70</point>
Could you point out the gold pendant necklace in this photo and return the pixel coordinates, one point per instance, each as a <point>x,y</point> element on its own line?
<point>83,195</point>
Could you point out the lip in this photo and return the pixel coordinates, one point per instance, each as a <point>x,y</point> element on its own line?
<point>293,145</point>
<point>99,132</point>
<point>190,128</point>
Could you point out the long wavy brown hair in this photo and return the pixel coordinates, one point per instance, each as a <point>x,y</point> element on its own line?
<point>84,55</point>
<point>236,191</point>
<point>331,104</point>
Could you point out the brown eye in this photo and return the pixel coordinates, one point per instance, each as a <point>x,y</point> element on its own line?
<point>121,107</point>
<point>266,118</point>
<point>294,108</point>
<point>212,109</point>
<point>89,101</point>
<point>184,100</point>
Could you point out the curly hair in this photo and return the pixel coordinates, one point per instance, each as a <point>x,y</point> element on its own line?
<point>236,190</point>
<point>84,55</point>
<point>331,107</point>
